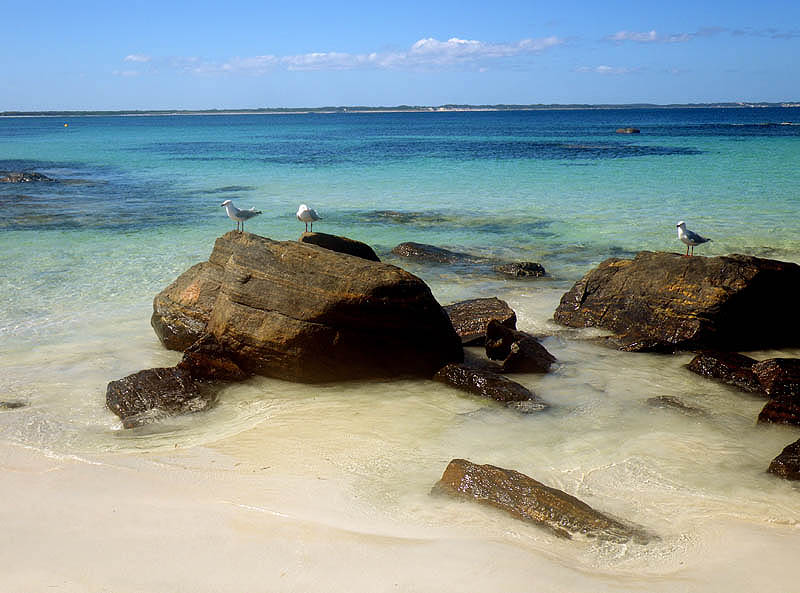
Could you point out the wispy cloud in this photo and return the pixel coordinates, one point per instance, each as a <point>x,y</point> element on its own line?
<point>770,33</point>
<point>649,37</point>
<point>138,58</point>
<point>606,70</point>
<point>427,53</point>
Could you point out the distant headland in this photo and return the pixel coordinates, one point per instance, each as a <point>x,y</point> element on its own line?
<point>395,109</point>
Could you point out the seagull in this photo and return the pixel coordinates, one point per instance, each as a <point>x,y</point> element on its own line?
<point>306,215</point>
<point>239,215</point>
<point>689,237</point>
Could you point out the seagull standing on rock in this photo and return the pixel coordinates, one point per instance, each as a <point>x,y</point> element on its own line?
<point>306,215</point>
<point>690,238</point>
<point>239,215</point>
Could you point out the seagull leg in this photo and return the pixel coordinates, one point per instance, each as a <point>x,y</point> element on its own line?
<point>312,227</point>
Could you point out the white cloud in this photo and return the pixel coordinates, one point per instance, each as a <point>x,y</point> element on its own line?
<point>606,70</point>
<point>426,53</point>
<point>126,73</point>
<point>140,58</point>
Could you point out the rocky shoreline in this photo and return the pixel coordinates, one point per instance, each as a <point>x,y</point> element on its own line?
<point>326,309</point>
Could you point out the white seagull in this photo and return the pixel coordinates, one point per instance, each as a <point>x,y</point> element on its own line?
<point>306,215</point>
<point>239,215</point>
<point>690,238</point>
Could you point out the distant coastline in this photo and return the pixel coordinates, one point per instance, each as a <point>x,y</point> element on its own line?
<point>395,109</point>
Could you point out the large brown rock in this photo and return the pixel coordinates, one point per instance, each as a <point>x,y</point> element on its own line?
<point>300,312</point>
<point>727,367</point>
<point>779,377</point>
<point>518,351</point>
<point>665,301</point>
<point>471,317</point>
<point>530,500</point>
<point>340,244</point>
<point>787,464</point>
<point>181,311</point>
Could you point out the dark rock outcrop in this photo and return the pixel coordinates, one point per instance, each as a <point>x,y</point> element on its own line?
<point>785,410</point>
<point>728,367</point>
<point>518,351</point>
<point>471,317</point>
<point>524,269</point>
<point>340,245</point>
<point>431,253</point>
<point>206,359</point>
<point>666,301</point>
<point>487,384</point>
<point>787,464</point>
<point>779,377</point>
<point>168,390</point>
<point>628,130</point>
<point>24,177</point>
<point>527,499</point>
<point>300,312</point>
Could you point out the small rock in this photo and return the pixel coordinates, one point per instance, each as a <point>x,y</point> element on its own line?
<point>171,390</point>
<point>779,377</point>
<point>485,384</point>
<point>431,253</point>
<point>525,498</point>
<point>781,411</point>
<point>471,317</point>
<point>628,130</point>
<point>12,405</point>
<point>520,352</point>
<point>340,245</point>
<point>729,367</point>
<point>787,464</point>
<point>525,269</point>
<point>24,177</point>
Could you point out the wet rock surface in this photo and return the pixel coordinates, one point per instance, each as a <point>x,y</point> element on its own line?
<point>669,402</point>
<point>787,464</point>
<point>729,368</point>
<point>485,384</point>
<point>169,390</point>
<point>527,499</point>
<point>784,410</point>
<point>24,177</point>
<point>518,352</point>
<point>779,377</point>
<point>12,404</point>
<point>340,245</point>
<point>524,269</point>
<point>667,302</point>
<point>471,317</point>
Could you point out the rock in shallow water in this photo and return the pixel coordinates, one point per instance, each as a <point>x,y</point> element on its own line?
<point>524,269</point>
<point>518,351</point>
<point>431,253</point>
<point>491,385</point>
<point>787,464</point>
<point>728,367</point>
<point>666,301</point>
<point>300,312</point>
<point>530,500</point>
<point>24,177</point>
<point>471,317</point>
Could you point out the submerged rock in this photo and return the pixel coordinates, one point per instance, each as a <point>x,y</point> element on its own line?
<point>471,317</point>
<point>728,367</point>
<point>170,390</point>
<point>524,269</point>
<point>530,500</point>
<point>666,301</point>
<point>12,404</point>
<point>628,131</point>
<point>340,245</point>
<point>787,464</point>
<point>488,384</point>
<point>431,253</point>
<point>304,313</point>
<point>518,351</point>
<point>670,402</point>
<point>24,177</point>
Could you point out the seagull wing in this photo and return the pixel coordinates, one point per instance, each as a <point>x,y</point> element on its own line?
<point>695,238</point>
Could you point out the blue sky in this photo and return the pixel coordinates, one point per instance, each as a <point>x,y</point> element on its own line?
<point>248,54</point>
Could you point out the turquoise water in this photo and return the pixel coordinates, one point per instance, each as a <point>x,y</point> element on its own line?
<point>138,201</point>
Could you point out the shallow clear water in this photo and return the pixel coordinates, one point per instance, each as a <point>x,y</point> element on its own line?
<point>138,203</point>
